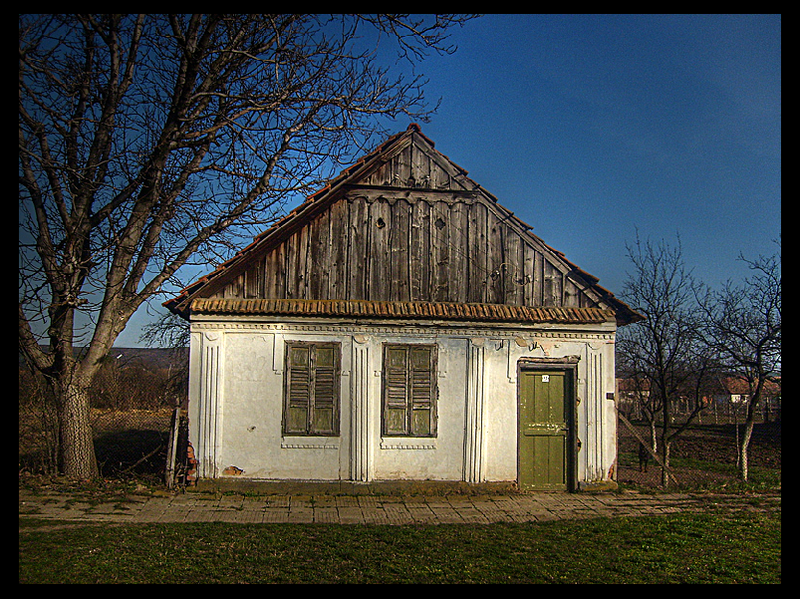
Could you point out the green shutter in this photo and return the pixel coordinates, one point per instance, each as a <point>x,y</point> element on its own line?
<point>422,390</point>
<point>395,391</point>
<point>409,394</point>
<point>312,389</point>
<point>324,421</point>
<point>298,392</point>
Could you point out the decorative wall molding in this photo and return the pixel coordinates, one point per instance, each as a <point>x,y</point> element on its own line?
<point>473,427</point>
<point>210,419</point>
<point>277,353</point>
<point>360,435</point>
<point>595,414</point>
<point>407,443</point>
<point>310,443</point>
<point>364,330</point>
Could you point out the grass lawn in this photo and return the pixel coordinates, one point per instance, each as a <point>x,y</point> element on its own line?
<point>680,548</point>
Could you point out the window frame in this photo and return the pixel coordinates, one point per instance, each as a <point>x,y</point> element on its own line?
<point>409,407</point>
<point>310,429</point>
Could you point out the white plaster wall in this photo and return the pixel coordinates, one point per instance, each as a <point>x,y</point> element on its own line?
<point>253,401</point>
<point>500,411</point>
<point>477,404</point>
<point>439,458</point>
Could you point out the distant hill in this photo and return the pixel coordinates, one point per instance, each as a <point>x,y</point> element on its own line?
<point>151,358</point>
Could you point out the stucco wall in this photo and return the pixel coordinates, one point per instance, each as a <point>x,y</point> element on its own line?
<point>236,395</point>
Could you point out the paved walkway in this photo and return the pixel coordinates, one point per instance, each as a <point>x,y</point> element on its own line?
<point>376,509</point>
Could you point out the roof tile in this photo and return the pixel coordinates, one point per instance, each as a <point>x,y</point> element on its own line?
<point>401,310</point>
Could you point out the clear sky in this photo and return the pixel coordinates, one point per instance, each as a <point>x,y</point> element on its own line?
<point>591,127</point>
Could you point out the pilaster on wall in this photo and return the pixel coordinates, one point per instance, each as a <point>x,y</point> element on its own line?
<point>600,418</point>
<point>473,430</point>
<point>209,430</point>
<point>359,414</point>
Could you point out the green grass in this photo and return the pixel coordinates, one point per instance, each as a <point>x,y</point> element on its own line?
<point>681,548</point>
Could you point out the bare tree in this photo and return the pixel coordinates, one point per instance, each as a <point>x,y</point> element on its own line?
<point>663,352</point>
<point>148,142</point>
<point>742,325</point>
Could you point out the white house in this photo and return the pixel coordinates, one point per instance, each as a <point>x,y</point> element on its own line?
<point>401,325</point>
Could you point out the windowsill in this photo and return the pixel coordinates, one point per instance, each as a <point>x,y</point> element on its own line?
<point>309,442</point>
<point>413,443</point>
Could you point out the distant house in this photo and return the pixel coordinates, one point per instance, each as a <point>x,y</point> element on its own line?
<point>402,325</point>
<point>735,391</point>
<point>631,394</point>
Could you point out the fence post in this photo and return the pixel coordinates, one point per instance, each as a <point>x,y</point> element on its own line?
<point>172,449</point>
<point>638,437</point>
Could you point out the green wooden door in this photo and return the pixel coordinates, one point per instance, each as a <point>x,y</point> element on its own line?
<point>544,430</point>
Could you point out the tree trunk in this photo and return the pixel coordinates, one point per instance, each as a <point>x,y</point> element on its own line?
<point>653,435</point>
<point>78,460</point>
<point>665,447</point>
<point>744,447</point>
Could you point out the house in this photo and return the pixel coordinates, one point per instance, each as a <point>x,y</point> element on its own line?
<point>631,394</point>
<point>401,325</point>
<point>734,392</point>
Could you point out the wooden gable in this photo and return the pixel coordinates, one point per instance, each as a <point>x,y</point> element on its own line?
<point>404,224</point>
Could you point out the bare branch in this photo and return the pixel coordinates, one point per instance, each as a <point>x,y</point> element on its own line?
<point>145,140</point>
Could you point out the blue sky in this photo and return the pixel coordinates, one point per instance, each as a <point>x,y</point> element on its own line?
<point>593,127</point>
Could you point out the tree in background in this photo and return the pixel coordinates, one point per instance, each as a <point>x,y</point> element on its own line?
<point>147,141</point>
<point>664,352</point>
<point>742,325</point>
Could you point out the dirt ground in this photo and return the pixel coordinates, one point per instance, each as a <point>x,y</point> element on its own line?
<point>714,445</point>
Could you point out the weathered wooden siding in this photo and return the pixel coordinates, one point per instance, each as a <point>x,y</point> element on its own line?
<point>414,165</point>
<point>403,224</point>
<point>410,245</point>
<point>413,228</point>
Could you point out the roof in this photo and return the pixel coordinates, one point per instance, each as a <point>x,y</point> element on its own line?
<point>400,310</point>
<point>737,385</point>
<point>317,202</point>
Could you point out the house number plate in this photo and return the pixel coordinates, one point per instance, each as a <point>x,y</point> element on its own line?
<point>545,378</point>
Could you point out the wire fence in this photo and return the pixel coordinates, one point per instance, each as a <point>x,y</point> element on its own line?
<point>138,416</point>
<point>140,427</point>
<point>704,455</point>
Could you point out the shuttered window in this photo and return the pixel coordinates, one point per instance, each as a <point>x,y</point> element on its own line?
<point>409,390</point>
<point>311,401</point>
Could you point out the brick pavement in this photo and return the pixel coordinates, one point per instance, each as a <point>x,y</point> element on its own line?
<point>376,509</point>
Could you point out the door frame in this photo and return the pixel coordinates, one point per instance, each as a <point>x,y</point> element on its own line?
<point>568,366</point>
